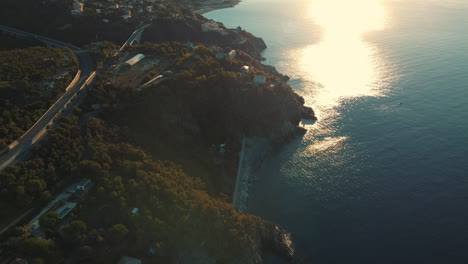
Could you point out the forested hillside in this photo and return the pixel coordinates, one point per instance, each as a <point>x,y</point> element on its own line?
<point>31,79</point>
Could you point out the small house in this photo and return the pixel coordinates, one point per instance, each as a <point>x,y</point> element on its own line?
<point>83,184</point>
<point>77,8</point>
<point>232,54</point>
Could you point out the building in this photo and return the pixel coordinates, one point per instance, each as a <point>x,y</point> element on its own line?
<point>192,46</point>
<point>232,54</point>
<point>259,79</point>
<point>222,149</point>
<point>127,16</point>
<point>135,210</point>
<point>77,8</point>
<point>213,26</point>
<point>245,69</point>
<point>65,209</point>
<point>83,184</point>
<point>137,58</point>
<point>129,260</point>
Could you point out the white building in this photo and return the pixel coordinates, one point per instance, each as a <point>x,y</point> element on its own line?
<point>137,58</point>
<point>245,69</point>
<point>259,79</point>
<point>232,54</point>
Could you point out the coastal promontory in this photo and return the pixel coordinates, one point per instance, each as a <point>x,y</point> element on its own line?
<point>143,162</point>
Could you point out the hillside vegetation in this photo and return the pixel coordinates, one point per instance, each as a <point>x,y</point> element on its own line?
<point>31,80</point>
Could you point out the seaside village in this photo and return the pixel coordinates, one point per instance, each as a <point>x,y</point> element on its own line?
<point>134,63</point>
<point>112,8</point>
<point>126,8</point>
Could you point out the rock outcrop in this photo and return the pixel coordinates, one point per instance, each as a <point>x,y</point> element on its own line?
<point>278,241</point>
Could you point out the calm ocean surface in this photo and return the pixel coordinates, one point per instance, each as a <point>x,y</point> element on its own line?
<point>382,177</point>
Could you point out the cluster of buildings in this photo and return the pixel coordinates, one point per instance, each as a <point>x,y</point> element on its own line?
<point>213,26</point>
<point>232,54</point>
<point>126,8</point>
<point>62,204</point>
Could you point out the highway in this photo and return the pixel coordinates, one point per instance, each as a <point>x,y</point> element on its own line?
<point>82,79</point>
<point>136,35</point>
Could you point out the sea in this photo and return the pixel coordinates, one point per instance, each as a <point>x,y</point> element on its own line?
<point>382,176</point>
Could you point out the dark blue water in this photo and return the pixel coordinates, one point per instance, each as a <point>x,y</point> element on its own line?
<point>383,176</point>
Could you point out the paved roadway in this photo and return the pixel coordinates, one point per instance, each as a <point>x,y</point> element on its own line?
<point>87,75</point>
<point>38,129</point>
<point>136,35</point>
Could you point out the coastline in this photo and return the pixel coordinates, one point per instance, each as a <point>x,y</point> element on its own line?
<point>251,156</point>
<point>253,153</point>
<point>213,5</point>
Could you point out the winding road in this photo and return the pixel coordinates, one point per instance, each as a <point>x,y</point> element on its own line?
<point>83,78</point>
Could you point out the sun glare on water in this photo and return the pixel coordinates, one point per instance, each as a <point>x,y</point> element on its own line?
<point>342,65</point>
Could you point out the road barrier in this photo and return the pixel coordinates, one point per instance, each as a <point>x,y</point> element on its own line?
<point>73,82</point>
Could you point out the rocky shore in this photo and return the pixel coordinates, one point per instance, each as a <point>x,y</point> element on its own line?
<point>254,150</point>
<point>252,154</point>
<point>274,239</point>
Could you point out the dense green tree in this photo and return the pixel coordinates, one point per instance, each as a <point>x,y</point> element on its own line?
<point>118,232</point>
<point>38,249</point>
<point>75,231</point>
<point>30,81</point>
<point>49,220</point>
